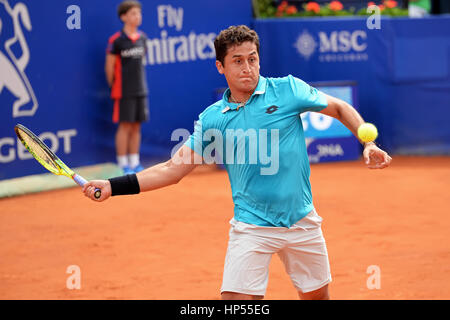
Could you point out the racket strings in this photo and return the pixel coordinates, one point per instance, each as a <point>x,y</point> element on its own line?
<point>37,149</point>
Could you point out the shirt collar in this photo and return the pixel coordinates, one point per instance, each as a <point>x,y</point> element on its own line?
<point>135,39</point>
<point>260,89</point>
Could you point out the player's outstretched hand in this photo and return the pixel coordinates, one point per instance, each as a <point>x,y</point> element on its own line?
<point>103,185</point>
<point>375,158</point>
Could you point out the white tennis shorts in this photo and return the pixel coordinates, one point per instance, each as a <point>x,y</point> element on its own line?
<point>301,248</point>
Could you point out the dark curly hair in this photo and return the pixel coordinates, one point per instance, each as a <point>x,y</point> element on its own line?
<point>234,35</point>
<point>127,5</point>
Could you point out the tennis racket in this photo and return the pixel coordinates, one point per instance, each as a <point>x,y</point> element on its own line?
<point>46,157</point>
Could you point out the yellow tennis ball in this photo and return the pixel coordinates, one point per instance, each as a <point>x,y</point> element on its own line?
<point>367,132</point>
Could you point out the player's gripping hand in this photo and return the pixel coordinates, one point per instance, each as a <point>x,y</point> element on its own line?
<point>103,185</point>
<point>375,158</point>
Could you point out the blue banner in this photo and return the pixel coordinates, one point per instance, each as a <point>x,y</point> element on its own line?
<point>317,125</point>
<point>327,139</point>
<point>52,80</point>
<point>402,71</point>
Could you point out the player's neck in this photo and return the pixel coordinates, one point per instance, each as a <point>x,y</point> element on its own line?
<point>239,96</point>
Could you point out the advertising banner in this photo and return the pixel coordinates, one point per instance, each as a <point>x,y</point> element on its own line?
<point>52,78</point>
<point>401,68</point>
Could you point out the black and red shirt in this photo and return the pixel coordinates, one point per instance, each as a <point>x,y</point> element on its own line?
<point>129,71</point>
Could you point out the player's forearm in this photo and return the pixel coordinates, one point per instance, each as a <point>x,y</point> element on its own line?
<point>158,176</point>
<point>155,177</point>
<point>349,117</point>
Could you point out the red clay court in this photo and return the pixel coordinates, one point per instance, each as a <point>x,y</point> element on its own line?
<point>171,243</point>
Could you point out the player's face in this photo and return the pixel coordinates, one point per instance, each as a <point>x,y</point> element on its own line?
<point>133,17</point>
<point>241,67</point>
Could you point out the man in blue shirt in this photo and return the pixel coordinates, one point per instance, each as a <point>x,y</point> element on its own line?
<point>256,131</point>
<point>269,117</point>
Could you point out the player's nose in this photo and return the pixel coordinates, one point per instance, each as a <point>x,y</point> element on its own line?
<point>246,67</point>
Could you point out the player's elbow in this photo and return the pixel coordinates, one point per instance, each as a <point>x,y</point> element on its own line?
<point>342,109</point>
<point>335,107</point>
<point>175,171</point>
<point>176,177</point>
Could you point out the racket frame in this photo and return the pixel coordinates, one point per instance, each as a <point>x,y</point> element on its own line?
<point>61,167</point>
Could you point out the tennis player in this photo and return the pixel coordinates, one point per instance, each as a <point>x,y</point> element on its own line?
<point>273,213</point>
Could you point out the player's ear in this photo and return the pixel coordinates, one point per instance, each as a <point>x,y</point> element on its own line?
<point>219,67</point>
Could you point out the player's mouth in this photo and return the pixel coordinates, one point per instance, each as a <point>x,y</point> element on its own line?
<point>246,79</point>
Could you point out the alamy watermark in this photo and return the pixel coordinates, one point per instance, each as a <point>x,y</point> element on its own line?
<point>240,147</point>
<point>374,280</point>
<point>374,20</point>
<point>74,20</point>
<point>74,280</point>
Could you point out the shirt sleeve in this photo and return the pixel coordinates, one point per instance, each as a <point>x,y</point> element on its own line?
<point>111,48</point>
<point>306,98</point>
<point>195,140</point>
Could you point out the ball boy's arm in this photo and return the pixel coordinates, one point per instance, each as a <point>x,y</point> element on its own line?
<point>109,68</point>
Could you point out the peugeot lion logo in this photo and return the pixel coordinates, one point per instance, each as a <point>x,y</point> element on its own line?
<point>13,75</point>
<point>305,44</point>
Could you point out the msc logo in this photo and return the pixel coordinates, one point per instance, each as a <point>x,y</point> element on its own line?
<point>333,46</point>
<point>12,66</point>
<point>306,45</point>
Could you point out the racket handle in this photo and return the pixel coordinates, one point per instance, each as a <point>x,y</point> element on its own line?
<point>82,181</point>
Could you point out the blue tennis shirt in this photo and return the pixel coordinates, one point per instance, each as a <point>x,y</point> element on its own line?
<point>262,147</point>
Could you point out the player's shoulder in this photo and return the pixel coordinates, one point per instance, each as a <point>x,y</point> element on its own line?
<point>213,111</point>
<point>212,116</point>
<point>287,84</point>
<point>285,81</point>
<point>114,37</point>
